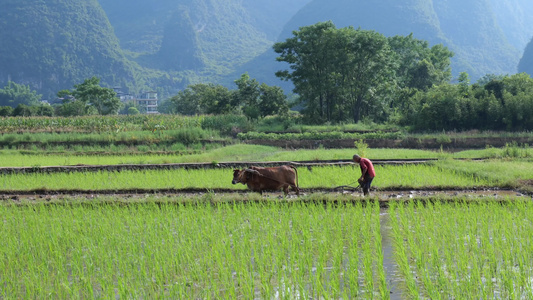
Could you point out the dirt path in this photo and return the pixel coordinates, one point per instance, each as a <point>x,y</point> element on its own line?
<point>384,196</point>
<point>192,166</point>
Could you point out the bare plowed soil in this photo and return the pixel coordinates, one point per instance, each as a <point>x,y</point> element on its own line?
<point>222,165</point>
<point>355,194</point>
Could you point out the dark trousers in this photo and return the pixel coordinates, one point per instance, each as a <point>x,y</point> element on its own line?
<point>366,184</point>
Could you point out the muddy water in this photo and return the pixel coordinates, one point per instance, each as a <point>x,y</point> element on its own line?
<point>394,280</point>
<point>474,194</point>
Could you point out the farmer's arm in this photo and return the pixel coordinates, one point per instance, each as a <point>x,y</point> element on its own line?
<point>364,169</point>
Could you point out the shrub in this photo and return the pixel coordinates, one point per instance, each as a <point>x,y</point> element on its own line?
<point>361,147</point>
<point>227,124</point>
<point>188,136</point>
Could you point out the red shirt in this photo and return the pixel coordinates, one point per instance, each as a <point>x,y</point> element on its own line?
<point>365,163</point>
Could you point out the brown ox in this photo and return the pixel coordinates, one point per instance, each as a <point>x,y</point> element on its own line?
<point>259,179</point>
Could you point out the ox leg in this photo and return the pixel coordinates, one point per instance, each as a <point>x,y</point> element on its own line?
<point>286,190</point>
<point>296,189</point>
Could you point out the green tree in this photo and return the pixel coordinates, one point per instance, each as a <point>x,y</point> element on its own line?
<point>132,110</point>
<point>188,101</point>
<point>500,104</point>
<point>127,108</point>
<point>272,101</point>
<point>44,110</point>
<point>339,74</point>
<point>166,107</point>
<point>14,94</point>
<point>464,83</point>
<point>417,67</point>
<point>217,100</point>
<point>202,98</point>
<point>247,95</point>
<point>367,72</point>
<point>103,99</point>
<point>6,111</point>
<point>76,108</point>
<point>23,110</point>
<point>310,55</point>
<point>517,102</point>
<point>259,100</point>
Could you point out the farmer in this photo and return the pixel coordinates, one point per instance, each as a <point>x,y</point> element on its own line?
<point>367,173</point>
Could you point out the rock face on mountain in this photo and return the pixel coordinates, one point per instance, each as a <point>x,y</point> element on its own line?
<point>470,29</point>
<point>526,63</point>
<point>140,24</point>
<point>180,35</point>
<point>55,44</point>
<point>515,19</point>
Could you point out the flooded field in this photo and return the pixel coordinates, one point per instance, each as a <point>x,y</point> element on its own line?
<point>278,248</point>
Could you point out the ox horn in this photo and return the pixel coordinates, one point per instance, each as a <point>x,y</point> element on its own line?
<point>252,171</point>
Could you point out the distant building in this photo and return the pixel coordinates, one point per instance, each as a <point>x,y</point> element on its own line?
<point>147,100</point>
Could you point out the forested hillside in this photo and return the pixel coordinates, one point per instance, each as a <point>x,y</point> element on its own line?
<point>162,44</point>
<point>166,45</point>
<point>470,29</point>
<point>211,36</point>
<point>55,44</point>
<point>140,24</point>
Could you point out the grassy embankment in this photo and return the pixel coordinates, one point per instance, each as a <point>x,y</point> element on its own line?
<point>251,153</point>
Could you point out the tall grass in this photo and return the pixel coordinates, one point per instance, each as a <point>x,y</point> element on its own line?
<point>226,250</point>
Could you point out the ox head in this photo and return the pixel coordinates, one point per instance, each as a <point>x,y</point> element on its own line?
<point>237,177</point>
<point>242,176</point>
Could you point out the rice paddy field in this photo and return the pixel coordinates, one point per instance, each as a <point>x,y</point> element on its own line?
<point>251,153</point>
<point>266,250</point>
<point>226,243</point>
<point>415,176</point>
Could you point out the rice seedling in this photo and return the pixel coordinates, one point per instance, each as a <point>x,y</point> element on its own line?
<point>496,170</point>
<point>169,250</point>
<point>466,251</point>
<point>85,154</point>
<point>388,176</point>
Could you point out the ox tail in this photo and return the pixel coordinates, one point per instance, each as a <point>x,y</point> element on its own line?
<point>297,185</point>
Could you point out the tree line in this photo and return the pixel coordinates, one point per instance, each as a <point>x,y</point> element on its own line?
<point>87,98</point>
<point>493,103</point>
<point>351,74</point>
<point>339,75</point>
<point>250,98</point>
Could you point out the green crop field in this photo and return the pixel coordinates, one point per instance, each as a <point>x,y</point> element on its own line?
<point>265,250</point>
<point>240,152</point>
<point>194,251</point>
<point>221,243</point>
<point>464,251</point>
<point>389,176</point>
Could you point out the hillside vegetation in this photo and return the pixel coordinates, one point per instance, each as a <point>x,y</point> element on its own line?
<point>56,44</point>
<point>470,29</point>
<point>165,45</point>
